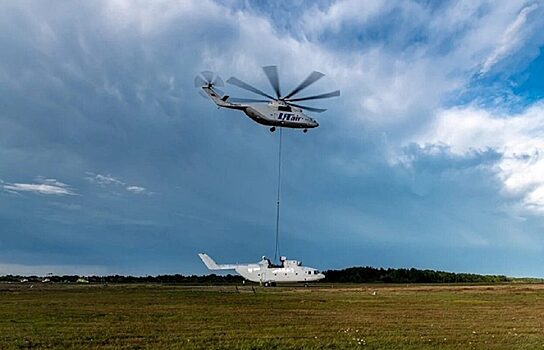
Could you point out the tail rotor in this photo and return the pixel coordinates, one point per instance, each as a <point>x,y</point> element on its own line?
<point>210,80</point>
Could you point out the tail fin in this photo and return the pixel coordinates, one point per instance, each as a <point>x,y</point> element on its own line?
<point>210,264</point>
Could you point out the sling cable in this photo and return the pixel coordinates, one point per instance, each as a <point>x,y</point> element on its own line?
<point>277,249</point>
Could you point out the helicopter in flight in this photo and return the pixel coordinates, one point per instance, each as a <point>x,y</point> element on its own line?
<point>279,111</point>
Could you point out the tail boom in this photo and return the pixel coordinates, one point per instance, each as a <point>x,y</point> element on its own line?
<point>220,101</point>
<point>212,265</point>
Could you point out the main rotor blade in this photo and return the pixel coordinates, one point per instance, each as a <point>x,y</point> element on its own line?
<point>208,75</point>
<point>241,84</point>
<point>317,110</point>
<point>272,75</point>
<point>236,99</point>
<point>312,78</point>
<point>315,97</point>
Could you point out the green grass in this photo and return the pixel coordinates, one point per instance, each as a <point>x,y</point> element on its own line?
<point>509,316</point>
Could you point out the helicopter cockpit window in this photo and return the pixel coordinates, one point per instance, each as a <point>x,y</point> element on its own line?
<point>284,109</point>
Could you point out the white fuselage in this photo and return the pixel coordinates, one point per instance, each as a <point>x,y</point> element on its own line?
<point>266,272</point>
<point>290,271</point>
<point>273,113</point>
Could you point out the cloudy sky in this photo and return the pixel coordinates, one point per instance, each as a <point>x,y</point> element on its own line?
<point>110,161</point>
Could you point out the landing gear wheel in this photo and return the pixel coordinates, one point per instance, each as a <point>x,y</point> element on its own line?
<point>272,129</point>
<point>306,285</point>
<point>305,130</point>
<point>266,284</point>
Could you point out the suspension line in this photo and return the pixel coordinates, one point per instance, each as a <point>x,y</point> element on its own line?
<point>277,250</point>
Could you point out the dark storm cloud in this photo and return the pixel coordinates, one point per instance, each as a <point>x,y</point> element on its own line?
<point>99,97</point>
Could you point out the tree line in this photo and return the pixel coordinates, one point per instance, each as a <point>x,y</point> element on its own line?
<point>381,275</point>
<point>349,275</point>
<point>177,278</point>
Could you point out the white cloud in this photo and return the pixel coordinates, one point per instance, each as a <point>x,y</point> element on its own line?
<point>44,186</point>
<point>341,12</point>
<point>518,137</point>
<point>109,180</point>
<point>511,39</point>
<point>103,180</point>
<point>425,56</point>
<point>397,88</point>
<point>383,83</point>
<point>136,189</point>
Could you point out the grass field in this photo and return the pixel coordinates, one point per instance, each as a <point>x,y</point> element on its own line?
<point>507,316</point>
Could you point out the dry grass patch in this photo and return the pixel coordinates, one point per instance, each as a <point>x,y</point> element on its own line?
<point>324,317</point>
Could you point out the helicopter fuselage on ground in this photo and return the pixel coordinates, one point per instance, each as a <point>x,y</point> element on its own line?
<point>265,272</point>
<point>273,113</point>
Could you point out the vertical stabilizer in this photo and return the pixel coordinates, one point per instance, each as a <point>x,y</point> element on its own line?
<point>210,264</point>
